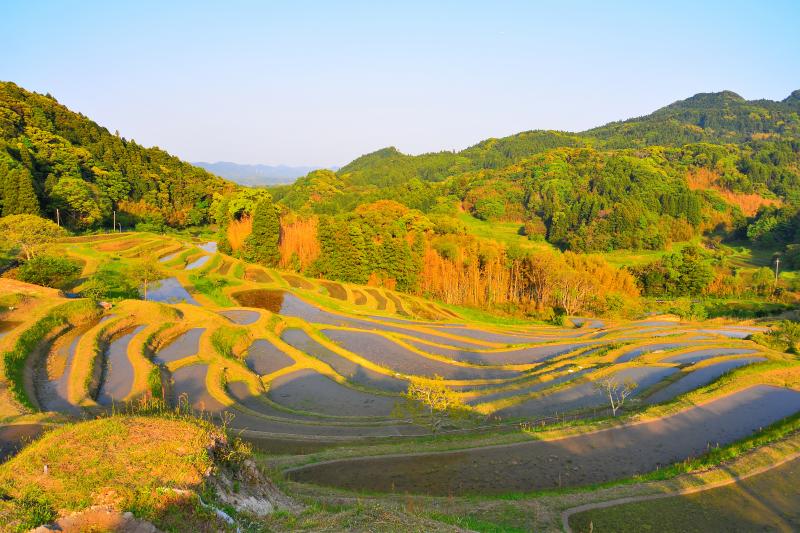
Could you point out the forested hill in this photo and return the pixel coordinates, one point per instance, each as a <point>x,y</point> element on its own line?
<point>719,118</point>
<point>723,117</point>
<point>53,158</point>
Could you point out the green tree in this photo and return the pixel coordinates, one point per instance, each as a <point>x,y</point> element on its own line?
<point>763,281</point>
<point>29,232</point>
<point>261,245</point>
<point>145,273</point>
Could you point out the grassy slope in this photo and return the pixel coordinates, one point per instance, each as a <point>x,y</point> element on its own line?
<point>122,461</point>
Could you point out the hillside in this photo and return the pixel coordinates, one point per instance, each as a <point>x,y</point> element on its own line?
<point>711,163</point>
<point>723,117</point>
<point>53,158</point>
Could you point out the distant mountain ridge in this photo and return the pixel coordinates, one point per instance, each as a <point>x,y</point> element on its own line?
<point>720,118</point>
<point>254,175</point>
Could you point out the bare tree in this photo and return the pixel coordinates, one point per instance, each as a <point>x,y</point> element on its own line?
<point>432,403</point>
<point>617,392</point>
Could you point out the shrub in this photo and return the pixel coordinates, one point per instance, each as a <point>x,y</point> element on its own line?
<point>50,271</point>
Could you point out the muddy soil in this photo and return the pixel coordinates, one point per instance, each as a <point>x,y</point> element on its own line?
<point>398,305</point>
<point>569,462</point>
<point>388,354</point>
<point>379,298</point>
<point>360,299</point>
<point>264,358</point>
<point>258,275</point>
<point>335,290</point>
<point>297,282</point>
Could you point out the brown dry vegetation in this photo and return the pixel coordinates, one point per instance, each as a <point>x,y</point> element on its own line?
<point>705,179</point>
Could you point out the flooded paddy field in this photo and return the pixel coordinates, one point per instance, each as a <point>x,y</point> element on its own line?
<point>695,356</point>
<point>197,263</point>
<point>699,378</point>
<point>768,501</point>
<point>14,436</point>
<point>189,382</point>
<point>596,457</point>
<point>584,395</point>
<point>388,354</point>
<point>184,345</point>
<point>264,358</point>
<point>344,367</point>
<point>241,316</point>
<point>308,390</point>
<point>118,371</point>
<point>517,356</point>
<point>650,348</point>
<point>170,291</point>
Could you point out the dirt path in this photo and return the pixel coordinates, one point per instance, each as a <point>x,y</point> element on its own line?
<point>580,460</point>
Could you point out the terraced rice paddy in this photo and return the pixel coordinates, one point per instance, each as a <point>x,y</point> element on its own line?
<point>263,358</point>
<point>767,501</point>
<point>568,462</point>
<point>186,344</point>
<point>315,365</point>
<point>307,390</point>
<point>241,316</point>
<point>118,373</point>
<point>171,291</point>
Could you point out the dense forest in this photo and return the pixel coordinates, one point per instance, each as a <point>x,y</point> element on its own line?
<point>714,166</point>
<point>52,158</point>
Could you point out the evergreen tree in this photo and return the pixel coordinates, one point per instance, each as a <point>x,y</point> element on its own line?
<point>27,201</point>
<point>261,245</point>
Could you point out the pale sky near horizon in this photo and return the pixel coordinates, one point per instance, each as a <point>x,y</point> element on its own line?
<point>320,83</point>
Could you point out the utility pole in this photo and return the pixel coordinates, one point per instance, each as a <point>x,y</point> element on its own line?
<point>114,227</point>
<point>777,264</point>
<point>58,217</point>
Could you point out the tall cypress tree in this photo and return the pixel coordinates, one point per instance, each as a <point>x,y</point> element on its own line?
<point>261,245</point>
<point>27,201</point>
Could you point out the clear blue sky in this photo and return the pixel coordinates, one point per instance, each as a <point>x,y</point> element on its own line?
<point>320,83</point>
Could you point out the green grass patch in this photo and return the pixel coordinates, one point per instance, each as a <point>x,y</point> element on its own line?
<point>226,339</point>
<point>212,286</point>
